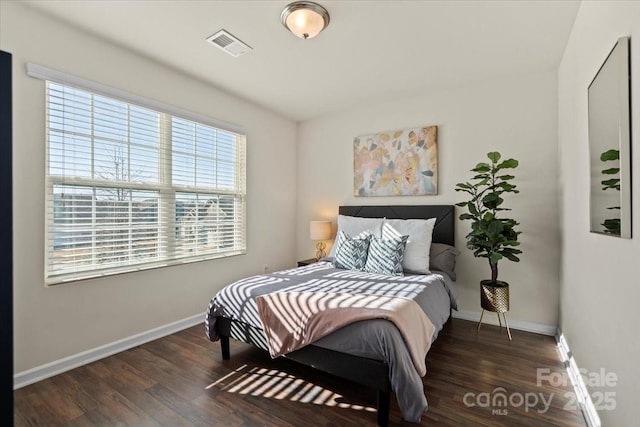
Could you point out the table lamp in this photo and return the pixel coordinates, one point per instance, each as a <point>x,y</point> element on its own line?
<point>320,230</point>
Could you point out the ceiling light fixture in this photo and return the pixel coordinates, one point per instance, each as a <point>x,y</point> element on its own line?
<point>305,19</point>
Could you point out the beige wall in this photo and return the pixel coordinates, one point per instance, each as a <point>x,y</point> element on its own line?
<point>51,323</point>
<point>517,116</point>
<point>600,285</point>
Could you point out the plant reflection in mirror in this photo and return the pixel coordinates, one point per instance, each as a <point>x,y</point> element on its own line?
<point>611,225</point>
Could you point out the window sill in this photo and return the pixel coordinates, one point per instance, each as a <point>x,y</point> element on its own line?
<point>96,274</point>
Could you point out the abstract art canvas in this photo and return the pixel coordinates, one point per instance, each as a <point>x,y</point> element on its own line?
<point>396,163</point>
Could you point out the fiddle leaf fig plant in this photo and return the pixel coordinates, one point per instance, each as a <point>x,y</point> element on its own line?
<point>492,236</point>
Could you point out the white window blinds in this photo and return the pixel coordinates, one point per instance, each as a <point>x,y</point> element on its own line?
<point>131,187</point>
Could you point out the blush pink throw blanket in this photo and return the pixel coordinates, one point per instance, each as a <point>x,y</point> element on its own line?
<point>292,320</point>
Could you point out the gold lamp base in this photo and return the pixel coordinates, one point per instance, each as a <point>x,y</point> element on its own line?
<point>495,298</point>
<point>320,250</point>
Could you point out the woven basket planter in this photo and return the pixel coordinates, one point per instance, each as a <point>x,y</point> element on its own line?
<point>494,297</point>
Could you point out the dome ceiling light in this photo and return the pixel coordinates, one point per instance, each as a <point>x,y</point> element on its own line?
<point>305,19</point>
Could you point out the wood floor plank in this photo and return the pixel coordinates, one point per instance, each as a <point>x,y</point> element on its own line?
<point>29,408</point>
<point>72,388</point>
<point>133,385</point>
<point>181,380</point>
<point>164,372</point>
<point>61,405</point>
<point>113,408</point>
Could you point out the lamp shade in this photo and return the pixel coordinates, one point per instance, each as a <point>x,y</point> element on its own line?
<point>305,19</point>
<point>320,230</point>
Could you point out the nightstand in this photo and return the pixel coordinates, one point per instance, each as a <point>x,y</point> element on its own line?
<point>307,262</point>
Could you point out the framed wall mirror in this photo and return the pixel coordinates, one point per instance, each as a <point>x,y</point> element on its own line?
<point>610,144</point>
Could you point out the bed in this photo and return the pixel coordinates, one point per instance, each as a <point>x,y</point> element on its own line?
<point>383,362</point>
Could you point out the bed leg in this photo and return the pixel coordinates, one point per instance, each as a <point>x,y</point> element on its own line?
<point>383,408</point>
<point>224,346</point>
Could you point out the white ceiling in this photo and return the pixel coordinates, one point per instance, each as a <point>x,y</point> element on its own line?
<point>371,52</point>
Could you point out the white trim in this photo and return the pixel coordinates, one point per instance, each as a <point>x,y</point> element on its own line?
<point>583,398</point>
<point>521,325</point>
<point>44,73</point>
<point>56,367</point>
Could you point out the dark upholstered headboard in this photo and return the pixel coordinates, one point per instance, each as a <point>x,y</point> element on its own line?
<point>443,232</point>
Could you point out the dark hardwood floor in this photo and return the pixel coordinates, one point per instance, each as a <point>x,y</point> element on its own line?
<point>181,380</point>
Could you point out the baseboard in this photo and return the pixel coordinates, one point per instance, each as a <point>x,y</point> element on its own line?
<point>583,398</point>
<point>521,325</point>
<point>56,367</point>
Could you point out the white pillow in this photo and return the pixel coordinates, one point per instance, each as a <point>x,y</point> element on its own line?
<point>353,225</point>
<point>416,256</point>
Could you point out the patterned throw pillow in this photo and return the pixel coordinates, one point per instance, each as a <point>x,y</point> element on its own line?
<point>351,252</point>
<point>386,254</point>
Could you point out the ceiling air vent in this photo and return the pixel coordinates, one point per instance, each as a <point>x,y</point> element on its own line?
<point>229,43</point>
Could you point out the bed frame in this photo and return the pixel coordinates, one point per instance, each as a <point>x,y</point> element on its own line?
<point>361,370</point>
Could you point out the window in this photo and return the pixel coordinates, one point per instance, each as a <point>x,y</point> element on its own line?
<point>131,187</point>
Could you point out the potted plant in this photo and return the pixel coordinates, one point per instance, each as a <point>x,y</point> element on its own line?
<point>492,236</point>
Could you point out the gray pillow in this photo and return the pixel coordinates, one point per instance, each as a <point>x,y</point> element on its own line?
<point>442,257</point>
